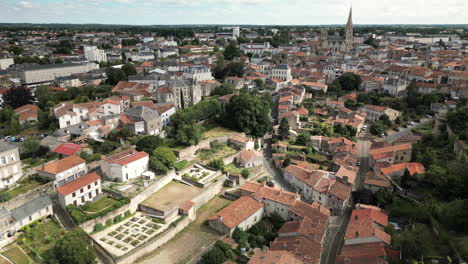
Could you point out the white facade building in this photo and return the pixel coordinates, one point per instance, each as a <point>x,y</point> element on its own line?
<point>63,171</point>
<point>80,191</point>
<point>10,165</point>
<point>198,73</point>
<point>126,165</point>
<point>282,72</point>
<point>39,74</point>
<point>92,53</point>
<point>5,63</point>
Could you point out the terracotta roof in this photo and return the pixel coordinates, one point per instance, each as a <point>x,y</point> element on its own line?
<point>248,155</point>
<point>362,224</point>
<point>68,148</point>
<point>376,108</point>
<point>340,190</point>
<point>377,179</point>
<point>347,171</point>
<point>61,165</point>
<point>306,250</point>
<point>126,157</point>
<point>368,253</point>
<point>388,151</point>
<point>240,139</point>
<point>70,187</point>
<point>270,193</point>
<point>26,111</point>
<point>238,211</point>
<point>186,205</point>
<point>413,168</point>
<point>274,257</point>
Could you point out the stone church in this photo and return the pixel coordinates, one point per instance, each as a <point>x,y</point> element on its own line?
<point>337,43</point>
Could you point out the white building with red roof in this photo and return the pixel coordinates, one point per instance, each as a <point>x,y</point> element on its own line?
<point>126,165</point>
<point>63,171</point>
<point>80,191</point>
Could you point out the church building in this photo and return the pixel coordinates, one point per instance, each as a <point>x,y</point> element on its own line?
<point>337,43</point>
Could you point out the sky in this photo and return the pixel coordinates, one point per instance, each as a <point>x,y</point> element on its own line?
<point>259,12</point>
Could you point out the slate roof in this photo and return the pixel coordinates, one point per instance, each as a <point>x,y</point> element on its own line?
<point>4,146</point>
<point>30,208</point>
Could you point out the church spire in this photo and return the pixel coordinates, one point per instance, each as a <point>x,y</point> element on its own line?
<point>349,35</point>
<point>350,17</point>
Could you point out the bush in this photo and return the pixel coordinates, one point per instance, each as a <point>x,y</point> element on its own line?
<point>127,213</point>
<point>245,173</point>
<point>4,196</point>
<point>181,165</point>
<point>109,222</point>
<point>217,164</point>
<point>98,227</point>
<point>118,218</point>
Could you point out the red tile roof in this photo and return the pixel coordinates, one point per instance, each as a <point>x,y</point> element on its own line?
<point>413,168</point>
<point>68,148</point>
<point>238,211</point>
<point>61,165</point>
<point>68,188</point>
<point>362,225</point>
<point>274,257</point>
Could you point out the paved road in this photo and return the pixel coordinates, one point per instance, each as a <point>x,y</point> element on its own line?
<point>338,224</point>
<point>393,135</point>
<point>272,171</point>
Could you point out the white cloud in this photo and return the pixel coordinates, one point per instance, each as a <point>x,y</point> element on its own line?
<point>25,4</point>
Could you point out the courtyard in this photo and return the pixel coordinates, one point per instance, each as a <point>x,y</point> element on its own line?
<point>128,234</point>
<point>191,241</point>
<point>171,195</point>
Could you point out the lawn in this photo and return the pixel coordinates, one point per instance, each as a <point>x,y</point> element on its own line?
<point>194,239</point>
<point>24,186</point>
<point>232,169</point>
<point>3,260</point>
<point>218,132</point>
<point>171,195</point>
<point>99,205</point>
<point>16,255</point>
<point>41,238</point>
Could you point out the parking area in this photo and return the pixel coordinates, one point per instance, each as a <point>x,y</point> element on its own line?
<point>123,237</point>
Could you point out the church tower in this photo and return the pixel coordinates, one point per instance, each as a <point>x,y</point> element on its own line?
<point>349,31</point>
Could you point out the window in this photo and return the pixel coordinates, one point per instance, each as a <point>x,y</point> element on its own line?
<point>3,160</point>
<point>81,190</point>
<point>75,203</point>
<point>89,186</point>
<point>47,209</point>
<point>82,199</point>
<point>30,218</point>
<point>97,192</point>
<point>12,157</point>
<point>90,195</point>
<point>95,183</point>
<point>73,194</point>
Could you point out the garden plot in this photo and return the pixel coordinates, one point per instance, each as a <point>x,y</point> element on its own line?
<point>128,234</point>
<point>199,173</point>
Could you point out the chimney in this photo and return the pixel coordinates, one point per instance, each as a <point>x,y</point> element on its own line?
<point>220,218</point>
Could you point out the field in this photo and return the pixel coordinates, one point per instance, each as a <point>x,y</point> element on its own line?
<point>171,195</point>
<point>218,132</point>
<point>194,239</point>
<point>16,255</point>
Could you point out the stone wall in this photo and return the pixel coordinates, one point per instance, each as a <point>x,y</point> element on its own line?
<point>189,153</point>
<point>133,205</point>
<point>21,199</point>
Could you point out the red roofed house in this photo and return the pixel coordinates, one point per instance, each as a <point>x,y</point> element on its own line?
<point>397,170</point>
<point>372,253</point>
<point>276,257</point>
<point>68,149</point>
<point>400,153</point>
<point>63,171</point>
<point>249,159</point>
<point>241,142</point>
<point>27,114</point>
<point>366,226</point>
<point>242,213</point>
<point>80,191</point>
<point>125,165</point>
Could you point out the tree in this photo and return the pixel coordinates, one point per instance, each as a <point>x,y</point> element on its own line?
<point>43,95</point>
<point>14,126</point>
<point>6,113</point>
<point>303,139</point>
<point>283,129</point>
<point>235,69</point>
<point>371,42</point>
<point>73,248</point>
<point>129,69</point>
<point>231,51</point>
<point>216,164</point>
<point>115,75</point>
<point>17,97</point>
<point>248,113</point>
<point>383,197</point>
<point>224,89</point>
<point>30,146</point>
<point>377,128</point>
<point>166,156</point>
<point>189,134</point>
<point>156,165</point>
<point>214,256</point>
<point>149,143</point>
<point>405,178</point>
<point>349,81</point>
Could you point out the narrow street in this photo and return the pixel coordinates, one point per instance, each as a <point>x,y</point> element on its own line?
<point>272,171</point>
<point>338,224</point>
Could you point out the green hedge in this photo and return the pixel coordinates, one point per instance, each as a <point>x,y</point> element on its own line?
<point>79,216</point>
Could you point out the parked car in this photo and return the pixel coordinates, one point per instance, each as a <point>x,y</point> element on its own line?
<point>382,135</point>
<point>396,129</point>
<point>7,138</point>
<point>12,139</point>
<point>417,121</point>
<point>358,163</point>
<point>270,183</point>
<point>428,116</point>
<point>19,139</point>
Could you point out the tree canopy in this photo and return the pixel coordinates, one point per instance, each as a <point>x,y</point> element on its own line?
<point>17,97</point>
<point>73,248</point>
